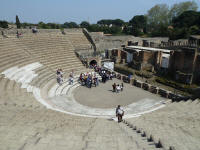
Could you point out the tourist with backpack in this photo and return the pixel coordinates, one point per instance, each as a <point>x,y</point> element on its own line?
<point>119,113</point>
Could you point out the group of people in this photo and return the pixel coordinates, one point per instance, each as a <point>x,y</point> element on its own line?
<point>89,79</point>
<point>59,78</point>
<point>117,88</point>
<point>105,74</point>
<point>18,34</point>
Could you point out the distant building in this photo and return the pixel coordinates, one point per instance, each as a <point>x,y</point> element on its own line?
<point>146,58</point>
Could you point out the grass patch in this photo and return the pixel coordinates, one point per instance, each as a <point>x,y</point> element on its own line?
<point>129,71</point>
<point>143,74</point>
<point>183,87</point>
<point>123,69</point>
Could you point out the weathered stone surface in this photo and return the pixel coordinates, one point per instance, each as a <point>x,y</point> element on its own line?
<point>153,89</point>
<point>146,86</point>
<point>139,84</point>
<point>163,93</point>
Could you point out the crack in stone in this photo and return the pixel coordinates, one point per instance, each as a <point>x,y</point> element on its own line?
<point>37,140</point>
<point>22,147</point>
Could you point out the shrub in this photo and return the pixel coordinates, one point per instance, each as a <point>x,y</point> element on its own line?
<point>176,85</point>
<point>123,70</point>
<point>3,24</point>
<point>143,74</point>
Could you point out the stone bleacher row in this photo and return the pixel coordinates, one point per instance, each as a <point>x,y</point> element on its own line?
<point>27,124</point>
<point>53,50</point>
<point>176,126</point>
<point>79,41</point>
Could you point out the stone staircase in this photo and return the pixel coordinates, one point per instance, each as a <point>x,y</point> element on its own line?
<point>27,77</point>
<point>32,129</point>
<point>176,125</point>
<point>79,41</point>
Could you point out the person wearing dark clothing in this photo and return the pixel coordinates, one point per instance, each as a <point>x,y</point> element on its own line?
<point>122,87</point>
<point>114,87</point>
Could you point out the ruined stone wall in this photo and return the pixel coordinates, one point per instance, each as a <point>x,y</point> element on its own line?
<point>184,61</point>
<point>184,65</point>
<point>148,57</point>
<point>178,60</point>
<point>197,70</point>
<point>148,60</point>
<point>137,57</point>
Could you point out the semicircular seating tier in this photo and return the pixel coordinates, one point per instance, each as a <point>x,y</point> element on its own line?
<point>27,77</point>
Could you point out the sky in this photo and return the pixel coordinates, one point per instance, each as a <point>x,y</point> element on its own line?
<point>60,11</point>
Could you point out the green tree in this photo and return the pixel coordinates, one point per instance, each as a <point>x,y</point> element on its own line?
<point>194,30</point>
<point>185,24</point>
<point>18,24</point>
<point>85,24</point>
<point>53,26</point>
<point>104,22</point>
<point>127,29</point>
<point>115,30</point>
<point>118,22</point>
<point>161,30</point>
<point>42,25</point>
<point>138,25</point>
<point>70,25</point>
<point>94,28</point>
<point>3,24</point>
<point>139,21</point>
<point>158,15</point>
<point>179,8</point>
<point>187,19</point>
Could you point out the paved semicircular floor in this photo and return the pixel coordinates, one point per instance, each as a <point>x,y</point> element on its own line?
<point>101,101</point>
<point>103,97</point>
<point>79,100</point>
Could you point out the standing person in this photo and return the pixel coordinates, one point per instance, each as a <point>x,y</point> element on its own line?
<point>119,113</point>
<point>71,78</point>
<point>114,87</point>
<point>97,81</point>
<point>118,88</point>
<point>58,72</point>
<point>122,87</point>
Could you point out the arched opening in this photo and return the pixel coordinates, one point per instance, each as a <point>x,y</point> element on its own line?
<point>93,63</point>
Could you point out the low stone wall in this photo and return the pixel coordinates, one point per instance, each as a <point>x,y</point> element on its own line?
<point>148,87</point>
<point>89,37</point>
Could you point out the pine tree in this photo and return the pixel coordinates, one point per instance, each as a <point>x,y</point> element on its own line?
<point>18,22</point>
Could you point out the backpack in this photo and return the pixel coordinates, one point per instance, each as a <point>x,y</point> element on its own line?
<point>120,111</point>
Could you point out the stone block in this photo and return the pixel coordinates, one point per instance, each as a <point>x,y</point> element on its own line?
<point>139,84</point>
<point>134,82</point>
<point>119,76</point>
<point>159,144</point>
<point>150,139</point>
<point>146,86</point>
<point>171,95</point>
<point>153,89</point>
<point>144,134</point>
<point>125,79</point>
<point>163,93</point>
